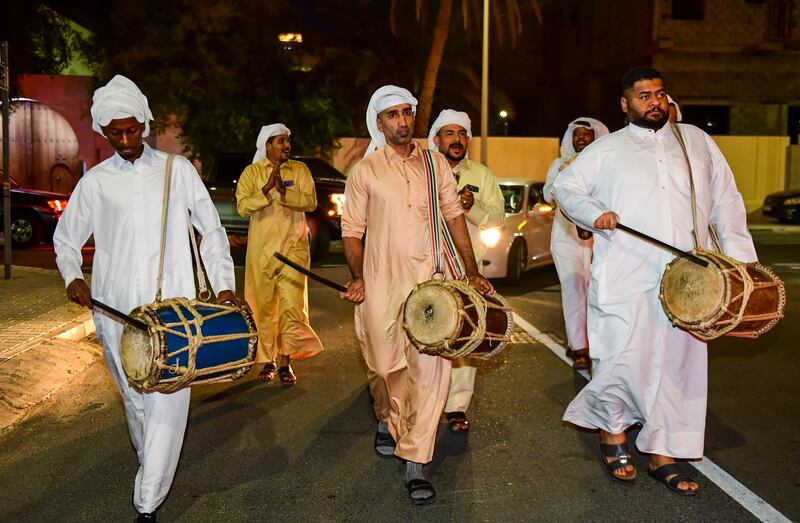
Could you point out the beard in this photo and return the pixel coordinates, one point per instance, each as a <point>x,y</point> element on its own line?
<point>642,120</point>
<point>455,154</point>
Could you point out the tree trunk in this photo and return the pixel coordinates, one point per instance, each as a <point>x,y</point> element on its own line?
<point>432,69</point>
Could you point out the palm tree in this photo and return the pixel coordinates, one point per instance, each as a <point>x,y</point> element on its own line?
<point>471,10</point>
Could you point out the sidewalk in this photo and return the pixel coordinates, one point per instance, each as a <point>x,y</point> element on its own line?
<point>40,340</point>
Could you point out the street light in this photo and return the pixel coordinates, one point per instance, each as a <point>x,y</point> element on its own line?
<point>290,41</point>
<point>503,114</point>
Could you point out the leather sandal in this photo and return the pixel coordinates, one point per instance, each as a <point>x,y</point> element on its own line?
<point>287,376</point>
<point>672,469</point>
<point>581,359</point>
<point>268,372</point>
<point>624,459</point>
<point>457,421</point>
<point>420,485</point>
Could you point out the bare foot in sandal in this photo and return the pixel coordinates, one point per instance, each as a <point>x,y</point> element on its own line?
<point>665,470</point>
<point>617,456</point>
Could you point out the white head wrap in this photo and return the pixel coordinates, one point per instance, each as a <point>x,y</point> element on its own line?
<point>385,97</point>
<point>677,107</point>
<point>119,98</point>
<point>267,132</point>
<point>567,149</point>
<point>449,117</point>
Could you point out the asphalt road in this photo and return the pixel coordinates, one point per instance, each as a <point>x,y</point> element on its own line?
<point>257,452</point>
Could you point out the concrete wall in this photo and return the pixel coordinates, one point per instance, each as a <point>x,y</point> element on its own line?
<point>759,163</point>
<point>792,167</point>
<point>508,157</point>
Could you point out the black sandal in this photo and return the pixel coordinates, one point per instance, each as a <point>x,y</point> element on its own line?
<point>457,421</point>
<point>287,376</point>
<point>672,469</point>
<point>420,485</point>
<point>624,459</point>
<point>268,372</point>
<point>384,444</point>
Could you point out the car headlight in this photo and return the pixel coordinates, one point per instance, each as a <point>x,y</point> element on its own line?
<point>490,237</point>
<point>792,201</point>
<point>337,199</point>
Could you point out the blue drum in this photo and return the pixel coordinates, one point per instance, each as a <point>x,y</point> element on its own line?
<point>187,343</point>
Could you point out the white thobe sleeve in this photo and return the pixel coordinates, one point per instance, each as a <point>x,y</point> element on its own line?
<point>573,189</point>
<point>552,173</point>
<point>728,213</point>
<point>73,230</point>
<point>214,248</point>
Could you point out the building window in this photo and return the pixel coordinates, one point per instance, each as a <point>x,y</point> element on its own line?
<point>713,119</point>
<point>688,9</point>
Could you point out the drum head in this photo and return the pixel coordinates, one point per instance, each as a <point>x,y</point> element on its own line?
<point>431,315</point>
<point>690,293</point>
<point>136,351</point>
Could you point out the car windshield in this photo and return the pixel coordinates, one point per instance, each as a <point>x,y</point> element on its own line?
<point>513,195</point>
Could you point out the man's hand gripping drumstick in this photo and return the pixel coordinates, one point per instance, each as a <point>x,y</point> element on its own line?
<point>354,254</point>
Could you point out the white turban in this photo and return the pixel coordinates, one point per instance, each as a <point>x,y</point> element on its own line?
<point>119,98</point>
<point>449,117</point>
<point>385,97</point>
<point>567,149</point>
<point>267,132</point>
<point>677,107</point>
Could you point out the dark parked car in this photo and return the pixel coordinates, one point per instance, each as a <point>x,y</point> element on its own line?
<point>34,215</point>
<point>324,222</point>
<point>785,206</point>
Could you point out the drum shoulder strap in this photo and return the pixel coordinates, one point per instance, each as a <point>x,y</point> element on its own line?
<point>440,235</point>
<point>679,136</point>
<point>201,279</point>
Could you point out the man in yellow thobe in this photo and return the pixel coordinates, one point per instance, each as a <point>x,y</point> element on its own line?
<point>276,192</point>
<point>482,201</point>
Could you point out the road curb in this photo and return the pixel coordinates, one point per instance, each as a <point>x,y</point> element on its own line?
<point>32,371</point>
<point>75,330</point>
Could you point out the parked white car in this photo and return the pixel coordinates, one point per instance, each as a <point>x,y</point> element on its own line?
<point>523,241</point>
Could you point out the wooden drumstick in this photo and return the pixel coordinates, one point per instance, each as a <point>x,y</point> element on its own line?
<point>300,268</point>
<point>667,247</point>
<point>120,315</point>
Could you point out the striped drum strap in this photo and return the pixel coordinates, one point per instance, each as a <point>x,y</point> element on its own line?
<point>440,235</point>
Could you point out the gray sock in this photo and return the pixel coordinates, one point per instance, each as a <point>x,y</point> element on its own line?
<point>383,427</point>
<point>413,471</point>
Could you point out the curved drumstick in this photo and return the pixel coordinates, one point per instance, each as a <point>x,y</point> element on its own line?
<point>313,276</point>
<point>667,247</point>
<point>120,316</point>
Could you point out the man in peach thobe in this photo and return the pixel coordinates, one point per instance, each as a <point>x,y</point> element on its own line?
<point>387,194</point>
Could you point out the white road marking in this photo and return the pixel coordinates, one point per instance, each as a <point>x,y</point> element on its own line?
<point>733,488</point>
<point>547,341</point>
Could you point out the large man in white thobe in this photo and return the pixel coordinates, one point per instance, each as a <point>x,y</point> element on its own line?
<point>482,201</point>
<point>572,254</point>
<point>645,370</point>
<point>120,202</point>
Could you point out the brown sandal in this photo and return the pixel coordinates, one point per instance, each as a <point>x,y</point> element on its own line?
<point>287,376</point>
<point>268,372</point>
<point>580,359</point>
